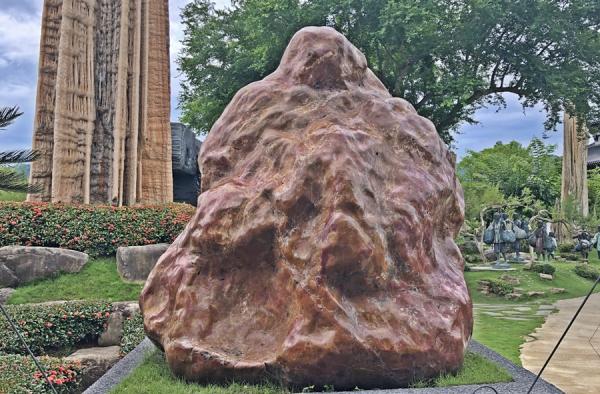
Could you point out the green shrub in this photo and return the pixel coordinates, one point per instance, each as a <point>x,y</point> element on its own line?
<point>53,326</point>
<point>586,271</point>
<point>96,230</point>
<point>18,374</point>
<point>571,256</point>
<point>566,247</point>
<point>496,286</point>
<point>544,269</point>
<point>133,333</point>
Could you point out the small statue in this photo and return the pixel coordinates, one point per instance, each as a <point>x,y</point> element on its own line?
<point>584,243</point>
<point>541,240</point>
<point>521,230</point>
<point>596,241</point>
<point>551,246</point>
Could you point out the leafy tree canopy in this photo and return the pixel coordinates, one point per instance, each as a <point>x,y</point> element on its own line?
<point>447,57</point>
<point>510,170</point>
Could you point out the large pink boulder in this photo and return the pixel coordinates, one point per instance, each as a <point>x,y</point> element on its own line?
<point>322,251</point>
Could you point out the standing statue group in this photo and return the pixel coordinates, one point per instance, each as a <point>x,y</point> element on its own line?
<point>507,235</point>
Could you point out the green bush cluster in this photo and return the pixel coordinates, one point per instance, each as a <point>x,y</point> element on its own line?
<point>497,286</point>
<point>53,326</point>
<point>133,333</point>
<point>544,269</point>
<point>566,247</point>
<point>586,271</point>
<point>18,374</point>
<point>96,230</point>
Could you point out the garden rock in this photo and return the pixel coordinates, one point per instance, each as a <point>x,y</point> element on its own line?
<point>134,263</point>
<point>5,294</point>
<point>95,362</point>
<point>535,293</point>
<point>29,263</point>
<point>513,280</point>
<point>513,296</point>
<point>322,250</point>
<point>546,276</point>
<point>114,326</point>
<point>557,290</point>
<point>114,330</point>
<point>7,277</point>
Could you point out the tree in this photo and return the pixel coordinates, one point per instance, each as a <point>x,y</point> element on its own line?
<point>10,179</point>
<point>447,57</point>
<point>529,174</point>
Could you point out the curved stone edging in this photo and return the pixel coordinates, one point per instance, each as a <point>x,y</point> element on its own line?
<point>522,377</point>
<point>122,369</point>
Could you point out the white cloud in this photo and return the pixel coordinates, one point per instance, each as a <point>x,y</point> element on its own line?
<point>19,37</point>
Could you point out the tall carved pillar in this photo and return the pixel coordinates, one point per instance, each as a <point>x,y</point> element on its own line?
<point>574,166</point>
<point>102,123</point>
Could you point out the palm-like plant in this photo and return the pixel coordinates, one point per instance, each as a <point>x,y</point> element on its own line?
<point>11,180</point>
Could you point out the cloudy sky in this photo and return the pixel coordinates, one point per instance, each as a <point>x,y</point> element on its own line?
<point>20,22</point>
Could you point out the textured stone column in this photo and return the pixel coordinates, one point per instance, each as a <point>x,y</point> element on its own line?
<point>103,107</point>
<point>43,137</point>
<point>156,178</point>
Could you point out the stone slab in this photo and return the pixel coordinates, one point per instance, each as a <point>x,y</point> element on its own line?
<point>479,268</point>
<point>95,361</point>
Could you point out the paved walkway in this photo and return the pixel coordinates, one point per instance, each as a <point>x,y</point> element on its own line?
<point>575,368</point>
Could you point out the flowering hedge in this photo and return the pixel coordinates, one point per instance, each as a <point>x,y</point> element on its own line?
<point>94,229</point>
<point>133,333</point>
<point>18,374</point>
<point>53,326</point>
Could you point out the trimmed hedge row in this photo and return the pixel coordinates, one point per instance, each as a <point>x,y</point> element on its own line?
<point>18,374</point>
<point>93,229</point>
<point>53,326</point>
<point>133,333</point>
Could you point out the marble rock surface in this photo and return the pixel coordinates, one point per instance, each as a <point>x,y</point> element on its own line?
<point>322,250</point>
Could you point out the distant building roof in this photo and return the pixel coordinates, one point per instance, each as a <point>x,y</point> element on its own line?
<point>594,152</point>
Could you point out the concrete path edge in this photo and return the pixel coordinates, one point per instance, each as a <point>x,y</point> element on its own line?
<point>522,378</point>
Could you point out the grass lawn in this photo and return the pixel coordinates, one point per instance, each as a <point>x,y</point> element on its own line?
<point>564,277</point>
<point>98,280</point>
<point>506,336</point>
<point>12,196</point>
<point>153,376</point>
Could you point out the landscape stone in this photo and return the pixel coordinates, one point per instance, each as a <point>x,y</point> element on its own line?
<point>322,250</point>
<point>513,280</point>
<point>557,290</point>
<point>7,277</point>
<point>546,276</point>
<point>514,296</point>
<point>535,293</point>
<point>114,326</point>
<point>134,263</point>
<point>29,263</point>
<point>114,330</point>
<point>95,362</point>
<point>5,293</point>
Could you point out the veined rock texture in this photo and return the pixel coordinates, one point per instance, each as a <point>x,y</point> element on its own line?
<point>322,250</point>
<point>102,122</point>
